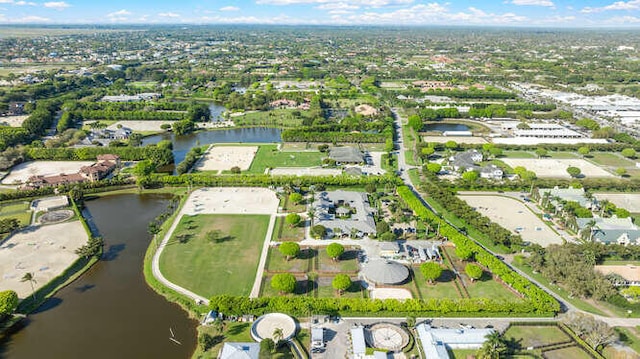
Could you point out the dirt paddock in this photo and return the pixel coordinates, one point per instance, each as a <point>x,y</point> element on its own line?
<point>21,173</point>
<point>222,158</point>
<point>557,168</point>
<point>44,251</point>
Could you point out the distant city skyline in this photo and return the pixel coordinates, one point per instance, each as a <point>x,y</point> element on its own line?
<point>538,13</point>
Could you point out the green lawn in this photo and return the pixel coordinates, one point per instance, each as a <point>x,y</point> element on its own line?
<point>303,287</point>
<point>571,352</point>
<point>325,290</point>
<point>277,117</point>
<point>530,335</point>
<point>148,85</point>
<point>18,209</point>
<point>628,338</point>
<point>269,156</point>
<point>489,288</point>
<point>284,232</point>
<point>462,353</point>
<point>443,288</point>
<point>208,269</point>
<point>348,261</point>
<point>277,262</point>
<point>233,332</point>
<point>562,154</point>
<point>519,154</point>
<point>610,159</point>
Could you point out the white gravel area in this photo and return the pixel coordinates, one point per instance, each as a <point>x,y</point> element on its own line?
<point>390,293</point>
<point>21,173</point>
<point>232,200</point>
<point>557,168</point>
<point>140,125</point>
<point>305,171</point>
<point>514,216</point>
<point>221,158</point>
<point>13,121</point>
<point>458,139</point>
<point>628,201</point>
<point>44,251</point>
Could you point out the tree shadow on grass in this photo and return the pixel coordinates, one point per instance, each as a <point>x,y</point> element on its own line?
<point>349,255</point>
<point>307,253</point>
<point>237,329</point>
<point>446,276</point>
<point>304,287</point>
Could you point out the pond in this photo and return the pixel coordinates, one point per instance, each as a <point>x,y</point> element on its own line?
<point>182,144</point>
<point>109,312</point>
<point>442,127</point>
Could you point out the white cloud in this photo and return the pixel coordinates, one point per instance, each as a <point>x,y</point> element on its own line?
<point>547,3</point>
<point>169,14</point>
<point>24,3</point>
<point>338,6</point>
<point>58,5</point>
<point>368,3</point>
<point>229,8</point>
<point>119,16</point>
<point>30,19</point>
<point>618,5</point>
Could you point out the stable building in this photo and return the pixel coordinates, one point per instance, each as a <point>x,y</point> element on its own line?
<point>346,155</point>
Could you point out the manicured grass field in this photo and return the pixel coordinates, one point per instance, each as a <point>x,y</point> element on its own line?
<point>462,353</point>
<point>348,261</point>
<point>519,154</point>
<point>19,210</point>
<point>284,233</point>
<point>561,155</point>
<point>489,288</point>
<point>529,336</point>
<point>206,268</point>
<point>269,156</point>
<point>277,262</point>
<point>610,159</point>
<point>277,117</point>
<point>303,287</point>
<point>571,352</point>
<point>325,290</point>
<point>444,287</point>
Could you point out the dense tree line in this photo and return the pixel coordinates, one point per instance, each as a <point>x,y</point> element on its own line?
<point>189,160</point>
<point>526,106</point>
<point>160,155</point>
<point>303,306</point>
<point>539,300</point>
<point>11,136</point>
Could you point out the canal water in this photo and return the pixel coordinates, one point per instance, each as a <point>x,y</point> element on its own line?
<point>182,144</point>
<point>110,312</point>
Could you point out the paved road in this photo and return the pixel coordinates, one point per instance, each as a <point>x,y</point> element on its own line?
<point>255,291</point>
<point>566,306</point>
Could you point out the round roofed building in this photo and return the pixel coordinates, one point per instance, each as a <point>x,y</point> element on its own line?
<point>385,272</point>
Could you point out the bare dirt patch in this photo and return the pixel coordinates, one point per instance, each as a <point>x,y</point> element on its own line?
<point>21,173</point>
<point>44,251</point>
<point>390,293</point>
<point>457,139</point>
<point>142,126</point>
<point>514,216</point>
<point>221,158</point>
<point>628,201</point>
<point>557,168</point>
<point>305,171</point>
<point>13,121</point>
<point>232,201</point>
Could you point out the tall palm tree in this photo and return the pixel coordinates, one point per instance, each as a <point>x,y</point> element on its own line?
<point>28,277</point>
<point>494,347</point>
<point>277,335</point>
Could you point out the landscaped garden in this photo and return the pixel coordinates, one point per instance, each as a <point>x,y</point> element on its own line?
<point>215,254</point>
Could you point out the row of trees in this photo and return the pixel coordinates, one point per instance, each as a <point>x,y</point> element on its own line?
<point>160,154</point>
<point>189,160</point>
<point>540,301</point>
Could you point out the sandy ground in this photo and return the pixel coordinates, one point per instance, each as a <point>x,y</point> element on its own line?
<point>390,293</point>
<point>22,172</point>
<point>48,203</point>
<point>232,200</point>
<point>220,158</point>
<point>458,139</point>
<point>512,214</point>
<point>628,201</point>
<point>265,325</point>
<point>44,251</point>
<point>549,167</point>
<point>305,171</point>
<point>140,125</point>
<point>13,121</point>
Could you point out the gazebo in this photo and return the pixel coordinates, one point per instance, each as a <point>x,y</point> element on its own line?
<point>382,271</point>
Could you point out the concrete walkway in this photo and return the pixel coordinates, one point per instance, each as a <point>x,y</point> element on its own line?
<point>255,291</point>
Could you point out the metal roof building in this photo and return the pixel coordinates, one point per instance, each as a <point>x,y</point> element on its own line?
<point>382,271</point>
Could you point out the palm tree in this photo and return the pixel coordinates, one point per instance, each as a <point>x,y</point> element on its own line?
<point>277,335</point>
<point>494,347</point>
<point>28,277</point>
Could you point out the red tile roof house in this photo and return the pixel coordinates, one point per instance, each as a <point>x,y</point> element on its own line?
<point>97,171</point>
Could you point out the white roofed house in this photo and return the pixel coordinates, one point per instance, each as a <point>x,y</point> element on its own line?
<point>344,213</point>
<point>240,351</point>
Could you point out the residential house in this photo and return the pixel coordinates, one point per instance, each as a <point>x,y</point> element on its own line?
<point>346,155</point>
<point>344,213</point>
<point>609,230</point>
<point>238,350</point>
<point>467,160</point>
<point>556,195</point>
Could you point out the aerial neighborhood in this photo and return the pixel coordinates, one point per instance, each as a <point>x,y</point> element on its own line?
<point>319,192</point>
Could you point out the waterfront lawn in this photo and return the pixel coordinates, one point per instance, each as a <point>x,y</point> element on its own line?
<point>232,332</point>
<point>531,335</point>
<point>285,233</point>
<point>270,156</point>
<point>18,209</point>
<point>276,117</point>
<point>227,267</point>
<point>610,159</point>
<point>348,261</point>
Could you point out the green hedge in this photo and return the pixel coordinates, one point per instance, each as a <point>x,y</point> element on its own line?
<point>538,298</point>
<point>159,155</point>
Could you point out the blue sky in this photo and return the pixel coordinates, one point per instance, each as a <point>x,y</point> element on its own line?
<point>548,13</point>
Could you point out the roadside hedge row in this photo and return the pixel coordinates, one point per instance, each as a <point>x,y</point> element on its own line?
<point>540,301</point>
<point>303,306</point>
<point>246,180</point>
